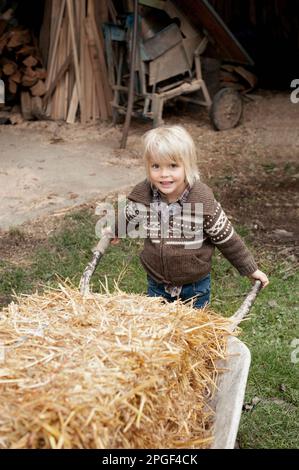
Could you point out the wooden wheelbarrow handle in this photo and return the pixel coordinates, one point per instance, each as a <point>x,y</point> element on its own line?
<point>98,252</point>
<point>245,307</point>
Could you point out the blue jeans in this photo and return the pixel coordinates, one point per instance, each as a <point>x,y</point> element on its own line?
<point>200,291</point>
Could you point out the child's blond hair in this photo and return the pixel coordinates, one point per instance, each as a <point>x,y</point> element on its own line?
<point>171,143</point>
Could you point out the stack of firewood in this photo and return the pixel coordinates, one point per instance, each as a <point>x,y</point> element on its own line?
<point>21,65</point>
<point>73,46</point>
<point>64,75</point>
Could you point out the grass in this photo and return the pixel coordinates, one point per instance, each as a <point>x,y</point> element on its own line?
<point>270,418</point>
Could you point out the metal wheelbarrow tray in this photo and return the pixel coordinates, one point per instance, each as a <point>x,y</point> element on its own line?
<point>231,385</point>
<point>228,400</point>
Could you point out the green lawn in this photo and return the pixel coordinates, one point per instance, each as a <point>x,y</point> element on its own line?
<point>270,418</point>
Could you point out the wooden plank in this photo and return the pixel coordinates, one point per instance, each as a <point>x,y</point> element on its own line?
<point>66,83</point>
<point>12,86</point>
<point>248,76</point>
<point>62,111</point>
<point>71,117</point>
<point>53,52</point>
<point>103,68</point>
<point>100,11</point>
<point>75,53</point>
<point>71,72</point>
<point>112,11</point>
<point>55,14</point>
<point>44,36</point>
<point>96,109</point>
<point>26,105</point>
<point>95,60</point>
<point>37,107</point>
<point>89,78</point>
<point>83,71</point>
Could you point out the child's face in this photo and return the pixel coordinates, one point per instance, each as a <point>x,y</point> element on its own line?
<point>168,177</point>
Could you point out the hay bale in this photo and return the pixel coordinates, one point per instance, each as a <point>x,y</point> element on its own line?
<point>107,371</point>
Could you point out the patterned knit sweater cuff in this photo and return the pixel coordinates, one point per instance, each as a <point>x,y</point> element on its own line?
<point>250,267</point>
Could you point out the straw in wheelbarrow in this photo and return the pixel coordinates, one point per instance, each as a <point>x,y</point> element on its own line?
<point>107,371</point>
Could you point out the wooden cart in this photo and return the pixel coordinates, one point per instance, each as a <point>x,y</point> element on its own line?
<point>168,67</point>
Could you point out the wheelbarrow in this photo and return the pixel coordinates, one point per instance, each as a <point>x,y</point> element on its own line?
<point>228,400</point>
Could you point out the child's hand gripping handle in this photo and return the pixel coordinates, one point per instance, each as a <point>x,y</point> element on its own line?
<point>98,252</point>
<point>245,307</point>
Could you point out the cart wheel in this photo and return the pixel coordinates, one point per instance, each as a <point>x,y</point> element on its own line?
<point>226,110</point>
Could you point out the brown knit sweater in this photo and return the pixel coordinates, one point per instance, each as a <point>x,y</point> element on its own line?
<point>179,260</point>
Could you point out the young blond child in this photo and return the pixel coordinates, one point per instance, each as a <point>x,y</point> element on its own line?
<point>182,222</point>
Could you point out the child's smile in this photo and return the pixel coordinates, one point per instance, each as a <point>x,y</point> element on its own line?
<point>168,177</point>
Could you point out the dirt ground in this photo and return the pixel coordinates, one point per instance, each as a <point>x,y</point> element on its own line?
<point>49,168</point>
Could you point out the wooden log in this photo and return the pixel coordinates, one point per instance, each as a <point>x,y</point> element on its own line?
<point>9,68</point>
<point>37,107</point>
<point>16,77</point>
<point>12,86</point>
<point>39,89</point>
<point>7,15</point>
<point>26,51</point>
<point>29,72</point>
<point>41,73</point>
<point>3,25</point>
<point>26,106</point>
<point>19,37</point>
<point>30,61</point>
<point>4,40</point>
<point>28,81</point>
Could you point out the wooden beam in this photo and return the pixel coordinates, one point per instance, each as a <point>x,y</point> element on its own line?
<point>75,53</point>
<point>96,66</point>
<point>71,117</point>
<point>53,51</point>
<point>65,66</point>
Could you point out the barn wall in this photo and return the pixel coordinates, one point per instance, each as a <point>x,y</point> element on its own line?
<point>269,30</point>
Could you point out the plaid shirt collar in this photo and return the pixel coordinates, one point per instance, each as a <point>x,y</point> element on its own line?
<point>181,200</point>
